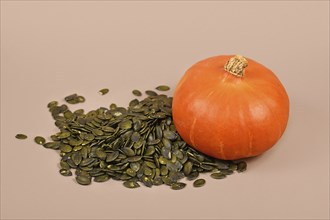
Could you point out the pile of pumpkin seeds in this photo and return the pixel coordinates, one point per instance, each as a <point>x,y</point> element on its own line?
<point>138,144</point>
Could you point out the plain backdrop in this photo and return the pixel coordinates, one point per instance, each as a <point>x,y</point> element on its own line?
<point>50,49</point>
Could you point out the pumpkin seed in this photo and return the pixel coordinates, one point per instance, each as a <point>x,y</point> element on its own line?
<point>112,156</point>
<point>21,136</point>
<point>218,175</point>
<point>81,99</point>
<point>127,124</point>
<point>137,92</point>
<point>131,184</point>
<point>178,186</point>
<point>146,181</point>
<point>187,168</point>
<point>162,88</point>
<point>128,152</point>
<point>101,178</point>
<point>170,135</point>
<point>83,180</point>
<point>135,136</point>
<point>133,103</point>
<point>135,166</point>
<point>151,93</point>
<point>76,158</point>
<point>52,104</point>
<point>192,175</point>
<point>65,172</point>
<point>66,148</point>
<point>64,165</point>
<point>71,97</point>
<point>199,183</point>
<point>40,140</point>
<point>103,91</point>
<point>134,158</point>
<point>87,162</point>
<point>241,166</point>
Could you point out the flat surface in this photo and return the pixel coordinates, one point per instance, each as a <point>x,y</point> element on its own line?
<point>52,49</point>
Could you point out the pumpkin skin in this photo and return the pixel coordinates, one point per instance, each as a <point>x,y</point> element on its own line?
<point>226,116</point>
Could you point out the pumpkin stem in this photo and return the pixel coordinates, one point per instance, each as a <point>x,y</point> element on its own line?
<point>236,65</point>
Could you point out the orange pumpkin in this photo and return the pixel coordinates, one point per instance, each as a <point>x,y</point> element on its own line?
<point>230,107</point>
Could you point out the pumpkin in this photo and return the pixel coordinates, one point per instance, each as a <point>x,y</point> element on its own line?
<point>230,107</point>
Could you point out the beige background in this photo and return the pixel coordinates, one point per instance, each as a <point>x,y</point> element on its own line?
<point>54,48</point>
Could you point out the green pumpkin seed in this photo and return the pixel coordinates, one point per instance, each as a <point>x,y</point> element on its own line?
<point>81,99</point>
<point>52,104</point>
<point>241,166</point>
<point>64,165</point>
<point>101,154</point>
<point>112,156</point>
<point>133,103</point>
<point>83,180</point>
<point>75,142</point>
<point>102,178</point>
<point>192,176</point>
<point>162,88</point>
<point>131,184</point>
<point>218,175</point>
<point>71,97</point>
<point>97,132</point>
<point>151,93</point>
<point>150,164</point>
<point>167,143</point>
<point>89,137</point>
<point>170,135</point>
<point>134,158</point>
<point>135,166</point>
<point>131,172</point>
<point>108,129</point>
<point>128,152</point>
<point>21,136</point>
<point>199,183</point>
<point>64,134</point>
<point>76,158</point>
<point>146,181</point>
<point>150,151</point>
<point>178,186</point>
<point>40,140</point>
<point>163,171</point>
<point>66,148</point>
<point>137,92</point>
<point>103,91</point>
<point>65,172</point>
<point>157,181</point>
<point>127,124</point>
<point>135,136</point>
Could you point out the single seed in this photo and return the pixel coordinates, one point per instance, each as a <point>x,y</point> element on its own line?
<point>65,172</point>
<point>199,183</point>
<point>103,91</point>
<point>40,140</point>
<point>178,186</point>
<point>52,104</point>
<point>81,99</point>
<point>131,184</point>
<point>101,178</point>
<point>137,92</point>
<point>21,136</point>
<point>66,148</point>
<point>151,93</point>
<point>218,175</point>
<point>241,166</point>
<point>83,180</point>
<point>162,88</point>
